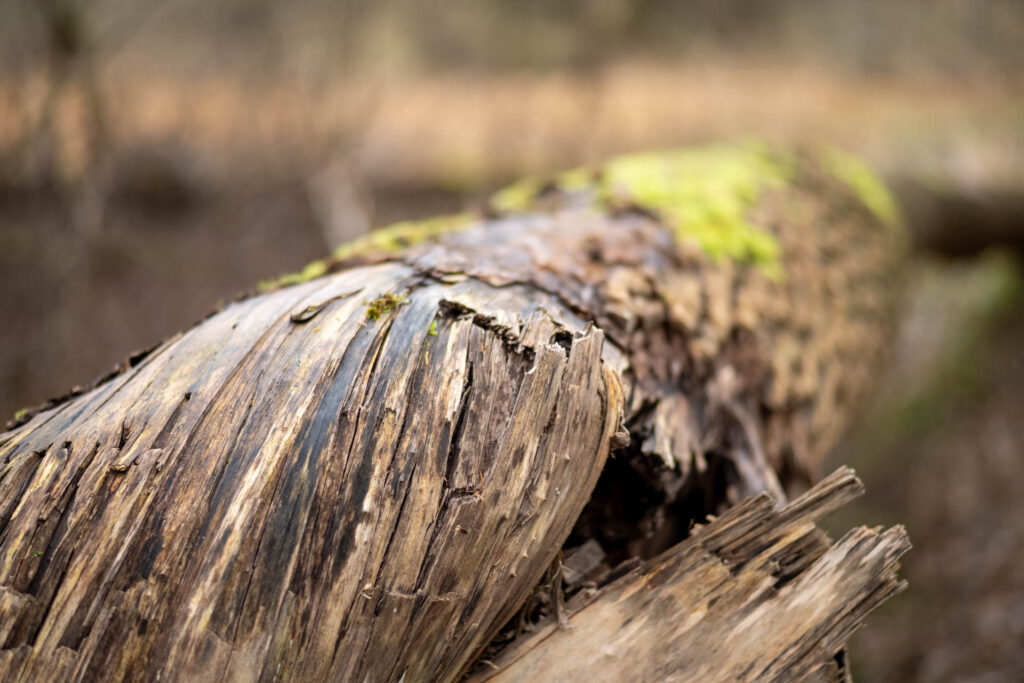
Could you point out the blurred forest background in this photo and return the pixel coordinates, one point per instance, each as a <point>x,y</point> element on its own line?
<point>159,156</point>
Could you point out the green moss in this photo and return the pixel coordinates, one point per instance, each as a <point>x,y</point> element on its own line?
<point>383,240</point>
<point>864,183</point>
<point>576,179</point>
<point>1004,282</point>
<point>518,196</point>
<point>701,194</point>
<point>431,332</point>
<point>521,195</point>
<point>310,272</point>
<point>383,304</point>
<point>21,414</point>
<point>404,234</point>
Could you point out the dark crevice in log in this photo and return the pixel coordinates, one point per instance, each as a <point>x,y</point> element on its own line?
<point>16,479</point>
<point>32,635</point>
<point>160,440</point>
<point>794,559</point>
<point>122,438</point>
<point>451,461</point>
<point>56,527</point>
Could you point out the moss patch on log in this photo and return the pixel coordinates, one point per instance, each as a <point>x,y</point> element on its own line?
<point>522,195</point>
<point>404,234</point>
<point>388,239</point>
<point>383,304</point>
<point>701,194</point>
<point>863,182</point>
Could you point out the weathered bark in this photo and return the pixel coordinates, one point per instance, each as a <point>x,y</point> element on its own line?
<point>365,475</point>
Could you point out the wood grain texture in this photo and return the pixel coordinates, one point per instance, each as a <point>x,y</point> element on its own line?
<point>757,595</point>
<point>266,498</point>
<point>364,476</point>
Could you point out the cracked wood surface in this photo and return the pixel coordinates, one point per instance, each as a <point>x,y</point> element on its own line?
<point>292,490</point>
<point>756,595</point>
<point>266,498</point>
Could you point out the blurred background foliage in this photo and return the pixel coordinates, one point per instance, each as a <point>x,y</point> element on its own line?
<point>159,156</point>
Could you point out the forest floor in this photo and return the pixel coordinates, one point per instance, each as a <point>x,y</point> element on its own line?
<point>941,450</point>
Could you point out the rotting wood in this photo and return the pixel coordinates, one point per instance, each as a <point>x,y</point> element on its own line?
<point>366,474</point>
<point>756,595</point>
<point>317,489</point>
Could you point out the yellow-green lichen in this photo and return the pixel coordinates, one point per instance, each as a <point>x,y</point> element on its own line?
<point>701,194</point>
<point>576,179</point>
<point>21,415</point>
<point>383,240</point>
<point>863,182</point>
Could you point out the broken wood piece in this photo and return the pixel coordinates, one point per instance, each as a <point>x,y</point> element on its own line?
<point>580,563</point>
<point>779,610</point>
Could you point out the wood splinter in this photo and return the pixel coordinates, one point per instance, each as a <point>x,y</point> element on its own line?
<point>756,595</point>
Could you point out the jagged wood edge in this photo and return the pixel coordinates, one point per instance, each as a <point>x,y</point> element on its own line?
<point>756,595</point>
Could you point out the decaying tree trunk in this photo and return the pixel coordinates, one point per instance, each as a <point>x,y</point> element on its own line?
<point>365,473</point>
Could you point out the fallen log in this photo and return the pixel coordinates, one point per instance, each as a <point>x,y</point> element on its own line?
<point>366,471</point>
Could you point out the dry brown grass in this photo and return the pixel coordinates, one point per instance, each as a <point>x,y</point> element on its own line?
<point>467,131</point>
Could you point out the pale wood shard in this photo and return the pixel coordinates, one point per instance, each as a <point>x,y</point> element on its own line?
<point>366,475</point>
<point>756,595</point>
